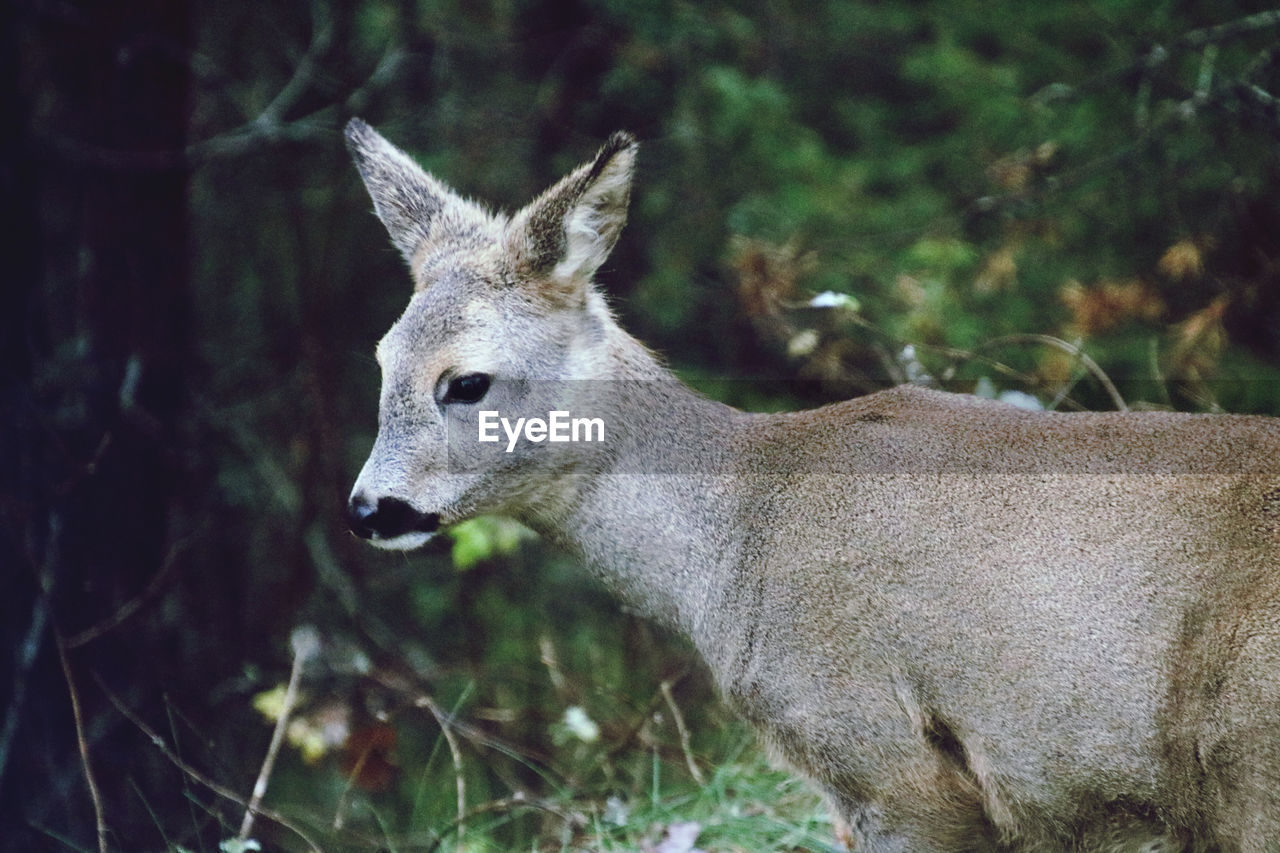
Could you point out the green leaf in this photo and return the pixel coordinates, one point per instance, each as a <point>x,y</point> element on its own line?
<point>485,538</point>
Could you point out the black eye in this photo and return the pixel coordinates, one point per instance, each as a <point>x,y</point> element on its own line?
<point>469,388</point>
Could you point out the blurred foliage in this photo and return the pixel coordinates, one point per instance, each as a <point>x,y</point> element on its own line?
<point>1002,197</point>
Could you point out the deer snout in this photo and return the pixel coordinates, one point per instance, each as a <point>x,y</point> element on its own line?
<point>387,518</point>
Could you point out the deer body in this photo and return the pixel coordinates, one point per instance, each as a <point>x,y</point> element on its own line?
<point>974,627</point>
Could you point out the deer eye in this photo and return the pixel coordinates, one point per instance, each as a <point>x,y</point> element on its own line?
<point>468,388</point>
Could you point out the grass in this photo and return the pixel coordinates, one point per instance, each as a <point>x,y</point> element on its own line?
<point>744,806</point>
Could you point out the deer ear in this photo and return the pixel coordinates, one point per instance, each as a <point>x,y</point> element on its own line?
<point>407,200</point>
<point>563,237</point>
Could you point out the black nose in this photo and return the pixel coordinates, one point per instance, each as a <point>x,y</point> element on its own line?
<point>387,518</point>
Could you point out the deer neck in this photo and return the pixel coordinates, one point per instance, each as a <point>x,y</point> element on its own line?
<point>654,521</point>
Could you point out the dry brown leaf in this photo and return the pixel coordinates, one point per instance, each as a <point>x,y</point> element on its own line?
<point>1109,304</point>
<point>767,274</point>
<point>1014,173</point>
<point>1199,340</point>
<point>1182,261</point>
<point>999,272</point>
<point>368,758</point>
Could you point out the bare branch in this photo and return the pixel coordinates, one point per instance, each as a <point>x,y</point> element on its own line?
<point>29,649</point>
<point>1259,97</point>
<point>382,75</point>
<point>131,607</point>
<point>1204,82</point>
<point>306,643</point>
<point>1261,64</point>
<point>78,715</point>
<point>518,802</point>
<point>1227,31</point>
<point>443,720</point>
<point>1159,54</point>
<point>267,128</point>
<point>1072,350</point>
<point>194,774</point>
<point>414,694</point>
<point>303,74</point>
<point>683,730</point>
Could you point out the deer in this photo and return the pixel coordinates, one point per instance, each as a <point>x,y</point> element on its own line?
<point>971,626</point>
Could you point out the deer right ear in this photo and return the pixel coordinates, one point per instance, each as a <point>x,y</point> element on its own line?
<point>407,200</point>
<point>564,236</point>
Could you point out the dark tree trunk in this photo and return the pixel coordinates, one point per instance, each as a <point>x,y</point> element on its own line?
<point>94,364</point>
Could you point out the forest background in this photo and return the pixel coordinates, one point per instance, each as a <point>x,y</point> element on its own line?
<point>1069,205</point>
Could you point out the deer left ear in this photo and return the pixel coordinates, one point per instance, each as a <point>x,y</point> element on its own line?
<point>563,237</point>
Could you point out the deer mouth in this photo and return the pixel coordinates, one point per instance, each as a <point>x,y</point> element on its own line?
<point>403,542</point>
<point>391,523</point>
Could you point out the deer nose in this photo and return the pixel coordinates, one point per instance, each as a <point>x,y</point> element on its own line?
<point>387,518</point>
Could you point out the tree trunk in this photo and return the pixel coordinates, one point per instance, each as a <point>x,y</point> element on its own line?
<point>94,364</point>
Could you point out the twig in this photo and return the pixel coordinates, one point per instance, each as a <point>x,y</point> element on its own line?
<point>654,703</point>
<point>60,837</point>
<point>694,771</point>
<point>1153,354</point>
<point>1142,107</point>
<point>29,648</point>
<point>27,652</point>
<point>416,695</point>
<point>1259,97</point>
<point>506,804</point>
<point>1204,80</point>
<point>221,790</point>
<point>268,121</point>
<point>1064,393</point>
<point>135,604</point>
<point>1159,54</point>
<point>551,661</point>
<point>1072,350</point>
<point>78,715</point>
<point>444,722</point>
<point>306,643</point>
<point>1231,29</point>
<point>268,126</point>
<point>171,716</point>
<point>344,798</point>
<point>340,812</point>
<point>382,74</point>
<point>329,570</point>
<point>957,354</point>
<point>1261,64</point>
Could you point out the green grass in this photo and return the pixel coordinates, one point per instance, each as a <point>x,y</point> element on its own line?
<point>744,805</point>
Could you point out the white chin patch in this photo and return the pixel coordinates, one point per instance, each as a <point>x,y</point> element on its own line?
<point>403,542</point>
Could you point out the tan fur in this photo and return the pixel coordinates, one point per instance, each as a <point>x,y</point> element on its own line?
<point>974,627</point>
